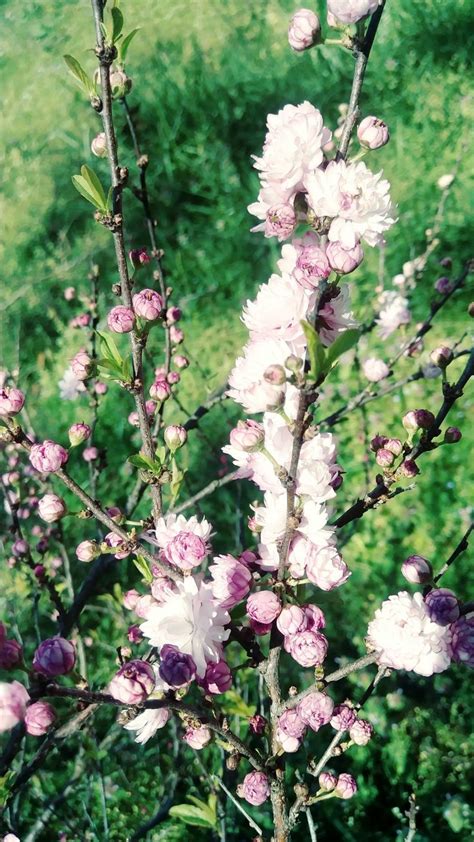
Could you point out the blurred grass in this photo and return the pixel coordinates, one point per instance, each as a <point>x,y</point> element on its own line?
<point>205,75</point>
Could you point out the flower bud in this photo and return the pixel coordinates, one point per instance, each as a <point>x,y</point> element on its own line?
<point>373,133</point>
<point>442,606</point>
<point>51,508</point>
<point>11,401</point>
<point>342,718</point>
<point>87,551</point>
<point>114,541</point>
<point>197,738</point>
<point>409,469</point>
<point>445,181</point>
<point>418,419</point>
<point>304,30</point>
<point>384,458</point>
<point>248,436</point>
<point>375,369</point>
<point>255,788</point>
<point>38,718</point>
<point>20,548</point>
<point>442,356</point>
<point>176,335</point>
<point>346,786</point>
<point>316,709</point>
<point>263,607</point>
<point>291,729</point>
<point>350,11</point>
<point>462,640</point>
<point>293,363</point>
<point>79,433</point>
<point>121,319</point>
<point>176,668</point>
<point>82,365</point>
<point>327,781</point>
<point>120,83</point>
<point>134,634</point>
<point>218,678</point>
<point>90,454</point>
<point>417,570</point>
<point>99,145</point>
<point>280,221</point>
<point>377,442</point>
<point>342,260</point>
<point>148,305</point>
<point>130,599</point>
<point>173,314</point>
<point>361,732</point>
<point>133,682</point>
<point>257,724</point>
<point>138,258</point>
<point>48,457</point>
<point>175,436</point>
<point>55,656</point>
<point>443,285</point>
<point>13,700</point>
<point>452,435</point>
<point>275,375</point>
<point>181,361</point>
<point>160,391</point>
<point>11,654</point>
<point>173,377</point>
<point>292,619</point>
<point>394,446</point>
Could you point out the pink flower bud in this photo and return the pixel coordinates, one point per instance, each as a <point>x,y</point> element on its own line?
<point>314,617</point>
<point>280,221</point>
<point>139,258</point>
<point>79,433</point>
<point>176,668</point>
<point>452,435</point>
<point>11,400</point>
<point>114,541</point>
<point>120,83</point>
<point>20,547</point>
<point>343,717</point>
<point>291,620</point>
<point>384,458</point>
<point>99,145</point>
<point>257,724</point>
<point>121,319</point>
<point>218,678</point>
<point>186,550</point>
<point>130,599</point>
<point>344,261</point>
<point>290,730</point>
<point>82,365</point>
<point>175,436</point>
<point>442,356</point>
<point>248,436</point>
<point>11,654</point>
<point>13,700</point>
<point>462,640</point>
<point>417,570</point>
<point>395,446</point>
<point>55,656</point>
<point>160,391</point>
<point>51,508</point>
<point>304,30</point>
<point>39,570</point>
<point>90,454</point>
<point>181,361</point>
<point>442,606</point>
<point>443,286</point>
<point>197,738</point>
<point>115,513</point>
<point>373,133</point>
<point>446,262</point>
<point>255,788</point>
<point>263,607</point>
<point>316,710</point>
<point>409,469</point>
<point>173,377</point>
<point>361,732</point>
<point>100,388</point>
<point>275,375</point>
<point>144,605</point>
<point>231,580</point>
<point>134,634</point>
<point>346,786</point>
<point>375,369</point>
<point>418,419</point>
<point>133,682</point>
<point>173,314</point>
<point>176,335</point>
<point>148,305</point>
<point>308,648</point>
<point>38,718</point>
<point>48,457</point>
<point>351,11</point>
<point>327,781</point>
<point>87,551</point>
<point>259,629</point>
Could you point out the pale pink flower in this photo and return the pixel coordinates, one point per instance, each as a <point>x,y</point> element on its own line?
<point>346,786</point>
<point>69,386</point>
<point>11,400</point>
<point>308,648</point>
<point>344,260</point>
<point>197,738</point>
<point>315,709</point>
<point>133,682</point>
<point>290,730</point>
<point>277,312</point>
<point>326,569</point>
<point>38,718</point>
<point>48,457</point>
<point>186,550</point>
<point>393,313</point>
<point>13,701</point>
<point>263,607</point>
<point>51,508</point>
<point>305,260</point>
<point>247,436</point>
<point>304,30</point>
<point>121,319</point>
<point>248,386</point>
<point>373,133</point>
<point>231,580</point>
<point>255,788</point>
<point>148,304</point>
<point>335,315</point>
<point>375,369</point>
<point>350,11</point>
<point>167,528</point>
<point>405,638</point>
<point>82,365</point>
<point>146,724</point>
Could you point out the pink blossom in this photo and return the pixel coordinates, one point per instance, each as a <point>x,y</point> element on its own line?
<point>442,606</point>
<point>90,454</point>
<point>115,541</point>
<point>304,30</point>
<point>148,304</point>
<point>263,607</point>
<point>417,570</point>
<point>361,732</point>
<point>51,508</point>
<point>291,620</point>
<point>326,569</point>
<point>11,654</point>
<point>346,786</point>
<point>79,433</point>
<point>305,260</point>
<point>146,724</point>
<point>373,133</point>
<point>343,717</point>
<point>462,640</point>
<point>11,400</point>
<point>248,436</point>
<point>87,551</point>
<point>82,365</point>
<point>160,391</point>
<point>351,11</point>
<point>130,599</point>
<point>55,656</point>
<point>248,386</point>
<point>13,701</point>
<point>255,788</point>
<point>314,617</point>
<point>121,319</point>
<point>99,145</point>
<point>48,457</point>
<point>277,312</point>
<point>181,361</point>
<point>308,648</point>
<point>393,313</point>
<point>327,781</point>
<point>315,709</point>
<point>290,730</point>
<point>133,682</point>
<point>176,335</point>
<point>197,738</point>
<point>175,436</point>
<point>344,260</point>
<point>139,257</point>
<point>375,369</point>
<point>280,221</point>
<point>173,314</point>
<point>231,580</point>
<point>334,314</point>
<point>186,550</point>
<point>218,678</point>
<point>38,718</point>
<point>144,605</point>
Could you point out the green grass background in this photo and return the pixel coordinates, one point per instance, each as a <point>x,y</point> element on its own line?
<point>205,74</point>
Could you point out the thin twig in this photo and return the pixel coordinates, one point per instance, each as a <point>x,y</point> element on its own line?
<point>461,547</point>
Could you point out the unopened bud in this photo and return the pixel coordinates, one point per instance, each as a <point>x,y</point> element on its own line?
<point>175,436</point>
<point>442,356</point>
<point>384,458</point>
<point>443,285</point>
<point>417,570</point>
<point>394,446</point>
<point>409,468</point>
<point>275,374</point>
<point>99,146</point>
<point>452,435</point>
<point>418,419</point>
<point>373,133</point>
<point>304,30</point>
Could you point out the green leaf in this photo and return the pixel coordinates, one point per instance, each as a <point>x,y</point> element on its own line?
<point>233,704</point>
<point>142,566</point>
<point>196,816</point>
<point>177,477</point>
<point>78,72</point>
<point>144,463</point>
<point>123,49</point>
<point>95,185</point>
<point>343,343</point>
<point>316,351</point>
<point>117,23</point>
<point>109,349</point>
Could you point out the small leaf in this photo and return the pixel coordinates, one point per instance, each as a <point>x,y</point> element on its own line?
<point>109,349</point>
<point>142,566</point>
<point>193,816</point>
<point>344,342</point>
<point>83,188</point>
<point>123,49</point>
<point>316,351</point>
<point>117,23</point>
<point>95,185</point>
<point>78,72</point>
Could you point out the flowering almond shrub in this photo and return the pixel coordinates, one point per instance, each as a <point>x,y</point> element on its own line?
<point>198,617</point>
